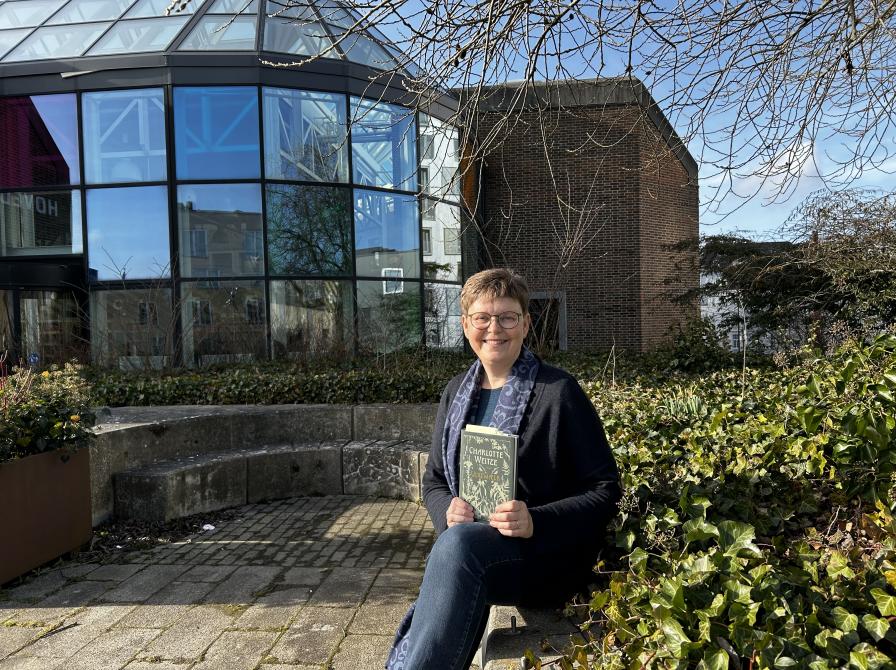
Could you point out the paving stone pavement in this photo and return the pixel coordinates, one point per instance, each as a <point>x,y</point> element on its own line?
<point>300,584</point>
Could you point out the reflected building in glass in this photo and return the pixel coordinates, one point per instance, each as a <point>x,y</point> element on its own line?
<point>167,196</point>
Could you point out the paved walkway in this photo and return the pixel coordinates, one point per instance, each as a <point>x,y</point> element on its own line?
<point>296,584</point>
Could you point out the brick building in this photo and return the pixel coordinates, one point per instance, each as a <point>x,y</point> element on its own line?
<point>586,194</point>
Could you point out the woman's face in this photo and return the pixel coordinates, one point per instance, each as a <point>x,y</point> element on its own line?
<point>495,346</point>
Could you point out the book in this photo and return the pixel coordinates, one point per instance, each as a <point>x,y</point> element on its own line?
<point>487,474</point>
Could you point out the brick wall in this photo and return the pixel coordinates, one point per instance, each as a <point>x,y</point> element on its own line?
<point>576,200</point>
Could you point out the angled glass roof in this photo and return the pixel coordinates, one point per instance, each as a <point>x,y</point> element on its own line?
<point>35,30</point>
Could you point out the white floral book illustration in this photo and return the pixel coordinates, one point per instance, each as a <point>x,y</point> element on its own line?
<point>487,468</point>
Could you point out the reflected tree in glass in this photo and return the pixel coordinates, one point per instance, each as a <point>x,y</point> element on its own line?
<point>311,318</point>
<point>309,230</point>
<point>388,316</point>
<point>441,316</point>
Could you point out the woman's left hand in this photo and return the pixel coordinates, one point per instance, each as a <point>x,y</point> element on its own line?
<point>512,519</point>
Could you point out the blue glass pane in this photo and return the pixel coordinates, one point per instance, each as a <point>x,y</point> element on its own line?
<point>138,36</point>
<point>220,230</point>
<point>221,33</point>
<point>216,133</point>
<point>39,136</point>
<point>63,41</point>
<point>27,14</point>
<point>44,223</point>
<point>147,8</point>
<point>124,136</point>
<point>9,38</point>
<point>127,233</point>
<point>309,230</point>
<point>387,234</point>
<point>305,135</point>
<point>233,7</point>
<point>384,145</point>
<point>83,11</point>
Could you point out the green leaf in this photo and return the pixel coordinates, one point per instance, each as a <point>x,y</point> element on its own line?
<point>676,640</point>
<point>838,565</point>
<point>845,620</point>
<point>735,536</point>
<point>638,560</point>
<point>876,627</point>
<point>714,659</point>
<point>784,662</point>
<point>857,659</point>
<point>696,530</point>
<point>886,603</point>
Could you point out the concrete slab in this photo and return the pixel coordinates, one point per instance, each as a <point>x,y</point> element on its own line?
<point>314,637</point>
<point>412,422</point>
<point>362,651</point>
<point>237,650</point>
<point>294,470</point>
<point>111,651</point>
<point>381,468</point>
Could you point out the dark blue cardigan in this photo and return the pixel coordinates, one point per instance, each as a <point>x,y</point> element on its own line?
<point>566,472</point>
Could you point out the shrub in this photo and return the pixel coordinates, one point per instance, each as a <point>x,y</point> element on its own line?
<point>757,528</point>
<point>43,411</point>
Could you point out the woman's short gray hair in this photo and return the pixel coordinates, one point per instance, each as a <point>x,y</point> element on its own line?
<point>492,284</point>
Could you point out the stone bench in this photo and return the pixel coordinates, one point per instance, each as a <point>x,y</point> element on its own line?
<point>367,449</point>
<point>174,488</point>
<point>512,630</point>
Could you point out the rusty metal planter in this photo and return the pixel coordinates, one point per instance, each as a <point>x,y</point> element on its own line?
<point>44,509</point>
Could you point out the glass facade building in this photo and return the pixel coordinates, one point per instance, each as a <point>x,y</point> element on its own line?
<point>169,196</point>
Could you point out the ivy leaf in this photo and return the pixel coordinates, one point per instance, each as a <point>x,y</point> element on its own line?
<point>676,640</point>
<point>784,662</point>
<point>735,536</point>
<point>638,560</point>
<point>838,566</point>
<point>859,660</point>
<point>715,659</point>
<point>877,628</point>
<point>699,529</point>
<point>845,620</point>
<point>886,603</point>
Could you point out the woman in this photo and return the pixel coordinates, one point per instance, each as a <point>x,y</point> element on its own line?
<point>535,550</point>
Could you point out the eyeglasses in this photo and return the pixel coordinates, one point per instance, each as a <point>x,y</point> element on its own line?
<point>482,320</point>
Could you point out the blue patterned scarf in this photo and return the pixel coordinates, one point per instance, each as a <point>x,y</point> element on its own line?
<point>507,417</point>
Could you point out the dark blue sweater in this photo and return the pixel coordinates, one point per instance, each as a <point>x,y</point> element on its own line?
<point>566,473</point>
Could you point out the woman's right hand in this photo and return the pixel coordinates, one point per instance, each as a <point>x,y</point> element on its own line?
<point>459,511</point>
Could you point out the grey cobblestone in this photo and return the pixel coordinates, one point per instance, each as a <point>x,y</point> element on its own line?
<point>294,584</point>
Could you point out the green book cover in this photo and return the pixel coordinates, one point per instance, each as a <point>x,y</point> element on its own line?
<point>487,468</point>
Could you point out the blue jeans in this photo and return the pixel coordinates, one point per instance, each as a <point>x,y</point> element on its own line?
<point>471,567</point>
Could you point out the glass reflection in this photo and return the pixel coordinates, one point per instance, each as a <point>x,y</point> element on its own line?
<point>147,8</point>
<point>309,230</point>
<point>39,136</point>
<point>305,135</point>
<point>384,151</point>
<point>441,316</point>
<point>311,39</point>
<point>216,132</point>
<point>439,158</point>
<point>9,38</point>
<point>221,33</point>
<point>223,322</point>
<point>139,36</point>
<point>310,318</point>
<point>131,329</point>
<point>64,41</point>
<point>38,223</point>
<point>443,261</point>
<point>387,234</point>
<point>220,230</point>
<point>127,233</point>
<point>7,334</point>
<point>388,315</point>
<point>124,136</point>
<point>83,11</point>
<point>51,327</point>
<point>27,14</point>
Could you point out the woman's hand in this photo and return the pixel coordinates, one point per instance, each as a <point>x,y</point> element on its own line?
<point>512,519</point>
<point>459,511</point>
